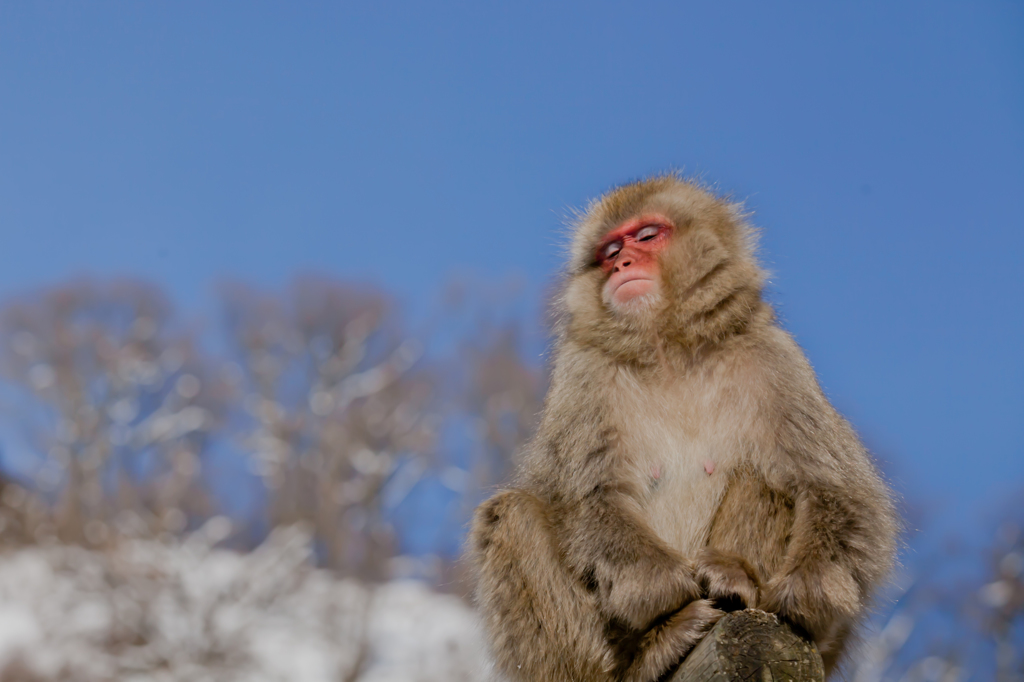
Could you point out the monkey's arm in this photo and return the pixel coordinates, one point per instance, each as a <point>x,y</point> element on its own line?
<point>842,539</point>
<point>831,565</point>
<point>575,465</point>
<point>616,554</point>
<point>647,594</point>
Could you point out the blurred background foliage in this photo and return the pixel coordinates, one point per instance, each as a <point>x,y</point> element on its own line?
<point>134,420</point>
<point>299,431</point>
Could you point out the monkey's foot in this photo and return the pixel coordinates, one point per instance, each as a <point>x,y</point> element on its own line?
<point>663,646</point>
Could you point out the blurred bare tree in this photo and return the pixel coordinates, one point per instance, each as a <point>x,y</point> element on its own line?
<point>339,422</point>
<point>498,395</point>
<point>321,388</point>
<point>505,395</point>
<point>120,412</point>
<point>952,622</point>
<point>1002,601</point>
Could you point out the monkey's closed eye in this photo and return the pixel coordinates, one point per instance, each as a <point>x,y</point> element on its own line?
<point>611,250</point>
<point>648,233</point>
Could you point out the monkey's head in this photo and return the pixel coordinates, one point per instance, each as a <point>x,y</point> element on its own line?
<point>661,261</point>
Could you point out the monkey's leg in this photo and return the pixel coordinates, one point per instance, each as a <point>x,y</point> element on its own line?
<point>748,540</point>
<point>543,624</point>
<point>801,548</point>
<point>660,650</point>
<point>828,569</point>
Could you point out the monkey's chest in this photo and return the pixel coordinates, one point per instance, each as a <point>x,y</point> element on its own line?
<point>683,482</point>
<point>681,440</point>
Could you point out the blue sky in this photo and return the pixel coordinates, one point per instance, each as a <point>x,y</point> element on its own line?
<point>879,145</point>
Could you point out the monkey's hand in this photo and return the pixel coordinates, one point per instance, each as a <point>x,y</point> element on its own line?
<point>818,598</point>
<point>637,594</point>
<point>728,580</point>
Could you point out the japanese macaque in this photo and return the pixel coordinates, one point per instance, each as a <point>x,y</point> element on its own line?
<point>686,461</point>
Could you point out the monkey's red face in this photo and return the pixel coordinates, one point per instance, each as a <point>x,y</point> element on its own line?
<point>629,256</point>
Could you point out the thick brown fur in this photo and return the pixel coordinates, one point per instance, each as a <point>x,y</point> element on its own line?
<point>607,558</point>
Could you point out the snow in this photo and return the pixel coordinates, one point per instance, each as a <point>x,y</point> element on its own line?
<point>148,610</point>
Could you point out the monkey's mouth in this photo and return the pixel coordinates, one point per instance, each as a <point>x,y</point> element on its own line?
<point>631,286</point>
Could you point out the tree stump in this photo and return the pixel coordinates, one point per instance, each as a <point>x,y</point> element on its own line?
<point>751,646</point>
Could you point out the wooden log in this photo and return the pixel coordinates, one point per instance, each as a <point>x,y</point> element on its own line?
<point>751,646</point>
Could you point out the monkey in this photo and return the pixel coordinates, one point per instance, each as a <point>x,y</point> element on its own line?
<point>686,462</point>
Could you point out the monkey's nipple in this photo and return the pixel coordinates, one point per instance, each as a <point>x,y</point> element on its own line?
<point>709,466</point>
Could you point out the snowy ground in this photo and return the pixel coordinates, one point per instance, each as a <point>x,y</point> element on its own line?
<point>183,611</point>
